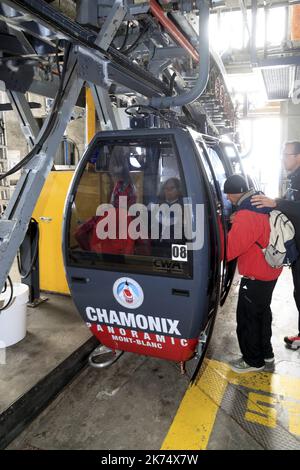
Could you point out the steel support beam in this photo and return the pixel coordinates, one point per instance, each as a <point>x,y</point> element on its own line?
<point>120,69</point>
<point>8,107</point>
<point>111,25</point>
<point>162,53</point>
<point>26,119</point>
<point>107,66</point>
<point>43,88</point>
<point>104,108</point>
<point>23,40</point>
<point>14,221</point>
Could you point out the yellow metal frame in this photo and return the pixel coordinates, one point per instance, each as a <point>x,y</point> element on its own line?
<point>90,115</point>
<point>49,212</point>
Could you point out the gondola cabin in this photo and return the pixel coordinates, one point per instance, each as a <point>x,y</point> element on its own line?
<point>144,240</point>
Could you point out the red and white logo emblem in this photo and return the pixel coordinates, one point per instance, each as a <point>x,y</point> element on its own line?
<point>128,296</point>
<point>128,292</point>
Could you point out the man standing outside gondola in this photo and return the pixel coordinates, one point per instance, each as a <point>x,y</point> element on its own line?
<point>290,206</point>
<point>250,232</point>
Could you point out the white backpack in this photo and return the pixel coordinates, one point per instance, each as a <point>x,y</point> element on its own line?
<point>281,249</point>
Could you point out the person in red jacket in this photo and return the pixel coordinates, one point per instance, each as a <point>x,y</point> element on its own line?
<point>250,233</point>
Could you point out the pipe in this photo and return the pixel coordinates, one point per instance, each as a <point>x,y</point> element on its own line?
<point>203,59</point>
<point>245,19</point>
<point>266,10</point>
<point>253,32</point>
<point>158,12</point>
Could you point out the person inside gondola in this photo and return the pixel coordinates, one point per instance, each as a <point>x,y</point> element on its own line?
<point>170,223</point>
<point>123,185</point>
<point>123,195</point>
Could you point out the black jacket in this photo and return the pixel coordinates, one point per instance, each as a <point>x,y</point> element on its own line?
<point>290,204</point>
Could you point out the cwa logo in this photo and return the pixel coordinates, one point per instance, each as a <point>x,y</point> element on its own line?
<point>128,292</point>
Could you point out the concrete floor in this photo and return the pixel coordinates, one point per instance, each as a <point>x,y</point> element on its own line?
<point>128,407</point>
<point>133,404</point>
<point>54,331</point>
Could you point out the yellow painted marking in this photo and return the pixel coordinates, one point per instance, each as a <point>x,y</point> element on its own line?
<point>194,421</point>
<point>294,416</point>
<point>196,415</point>
<point>258,412</point>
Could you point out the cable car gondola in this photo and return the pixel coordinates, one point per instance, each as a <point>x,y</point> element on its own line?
<point>150,295</point>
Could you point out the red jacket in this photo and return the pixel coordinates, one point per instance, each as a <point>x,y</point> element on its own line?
<point>249,227</point>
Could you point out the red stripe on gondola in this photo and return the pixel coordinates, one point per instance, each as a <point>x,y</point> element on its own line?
<point>149,344</point>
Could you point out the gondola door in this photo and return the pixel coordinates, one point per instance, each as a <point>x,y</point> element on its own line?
<point>217,170</point>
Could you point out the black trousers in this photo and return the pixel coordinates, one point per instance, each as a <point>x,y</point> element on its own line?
<point>296,279</point>
<point>254,320</point>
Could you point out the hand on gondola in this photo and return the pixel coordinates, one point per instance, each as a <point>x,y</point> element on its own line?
<point>263,201</point>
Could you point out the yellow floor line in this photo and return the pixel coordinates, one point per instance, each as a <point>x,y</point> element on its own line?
<point>196,414</point>
<point>195,418</point>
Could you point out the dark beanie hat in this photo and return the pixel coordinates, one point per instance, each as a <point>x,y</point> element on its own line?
<point>235,184</point>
